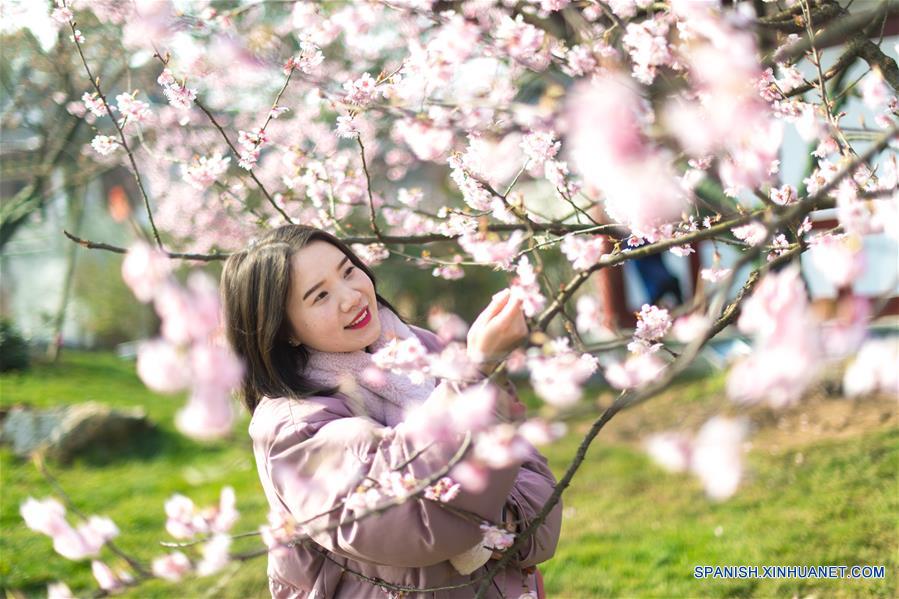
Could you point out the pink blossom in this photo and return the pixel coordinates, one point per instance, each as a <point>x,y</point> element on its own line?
<point>496,538</point>
<point>537,431</point>
<point>523,42</point>
<point>444,490</point>
<point>652,323</point>
<point>62,15</point>
<point>203,171</point>
<point>875,93</point>
<point>208,414</point>
<point>540,146</point>
<point>182,522</point>
<point>526,288</point>
<point>171,567</point>
<point>591,316</point>
<point>132,109</point>
<point>226,515</point>
<point>473,193</point>
<point>670,450</point>
<point>784,195</point>
<point>45,516</point>
<point>372,254</point>
<point>364,498</point>
<point>450,272</point>
<point>838,257</point>
<point>162,366</point>
<point>180,96</point>
<point>190,314</point>
<point>558,378</point>
<point>309,57</point>
<point>753,233</point>
<point>583,252</point>
<point>104,145</point>
<point>776,306</point>
<point>874,369</point>
<point>609,150</point>
<point>397,485</point>
<point>94,104</point>
<point>500,447</point>
<point>690,327</point>
<point>145,269</point>
<point>59,590</point>
<point>472,476</point>
<point>107,580</point>
<point>78,37</point>
<point>215,555</point>
<point>346,127</point>
<point>407,356</point>
<point>362,91</point>
<point>648,47</point>
<point>426,139</point>
<point>278,532</point>
<point>488,249</point>
<point>717,457</point>
<point>634,372</point>
<point>447,325</point>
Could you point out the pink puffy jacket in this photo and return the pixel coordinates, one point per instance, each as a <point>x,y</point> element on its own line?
<point>300,444</point>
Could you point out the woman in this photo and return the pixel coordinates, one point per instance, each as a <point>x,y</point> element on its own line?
<point>303,312</point>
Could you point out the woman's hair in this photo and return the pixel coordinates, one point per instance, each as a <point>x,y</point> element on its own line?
<point>255,288</point>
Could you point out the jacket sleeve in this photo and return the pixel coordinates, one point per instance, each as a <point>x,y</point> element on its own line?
<point>533,486</point>
<point>313,456</point>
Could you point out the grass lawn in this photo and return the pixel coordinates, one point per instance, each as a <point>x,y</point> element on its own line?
<point>630,530</point>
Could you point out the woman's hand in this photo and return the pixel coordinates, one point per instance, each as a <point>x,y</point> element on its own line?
<point>496,331</point>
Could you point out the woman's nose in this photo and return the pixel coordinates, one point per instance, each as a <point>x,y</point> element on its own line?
<point>350,299</point>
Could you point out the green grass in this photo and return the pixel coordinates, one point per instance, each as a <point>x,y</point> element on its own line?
<point>629,530</point>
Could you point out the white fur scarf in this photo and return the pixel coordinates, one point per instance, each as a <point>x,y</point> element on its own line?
<point>383,395</point>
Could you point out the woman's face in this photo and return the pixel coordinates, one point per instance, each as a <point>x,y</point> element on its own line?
<point>331,306</point>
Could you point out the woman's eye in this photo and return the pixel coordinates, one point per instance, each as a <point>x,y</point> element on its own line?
<point>321,295</point>
<point>349,271</point>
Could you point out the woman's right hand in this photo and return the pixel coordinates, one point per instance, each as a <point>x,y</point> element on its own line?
<point>497,331</point>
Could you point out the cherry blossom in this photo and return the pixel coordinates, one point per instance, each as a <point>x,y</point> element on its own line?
<point>526,288</point>
<point>215,555</point>
<point>180,96</point>
<point>104,145</point>
<point>583,252</point>
<point>496,538</point>
<point>444,490</point>
<point>717,457</point>
<point>671,451</point>
<point>652,323</point>
<point>59,590</point>
<point>105,577</point>
<point>203,171</point>
<point>839,257</point>
<point>637,370</point>
<point>558,376</point>
<point>172,567</point>
<point>94,103</point>
<point>873,369</point>
<point>131,109</point>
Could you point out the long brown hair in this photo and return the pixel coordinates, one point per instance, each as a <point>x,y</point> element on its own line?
<point>255,288</point>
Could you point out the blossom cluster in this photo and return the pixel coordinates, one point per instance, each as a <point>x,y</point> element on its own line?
<point>190,353</point>
<point>714,455</point>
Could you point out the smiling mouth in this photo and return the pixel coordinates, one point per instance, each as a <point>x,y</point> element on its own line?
<point>361,319</point>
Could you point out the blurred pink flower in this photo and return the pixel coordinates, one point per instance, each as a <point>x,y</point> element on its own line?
<point>59,590</point>
<point>171,567</point>
<point>874,369</point>
<point>583,252</point>
<point>717,457</point>
<point>840,258</point>
<point>47,516</point>
<point>215,555</point>
<point>105,577</point>
<point>208,414</point>
<point>496,538</point>
<point>670,450</point>
<point>145,269</point>
<point>162,367</point>
<point>635,371</point>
